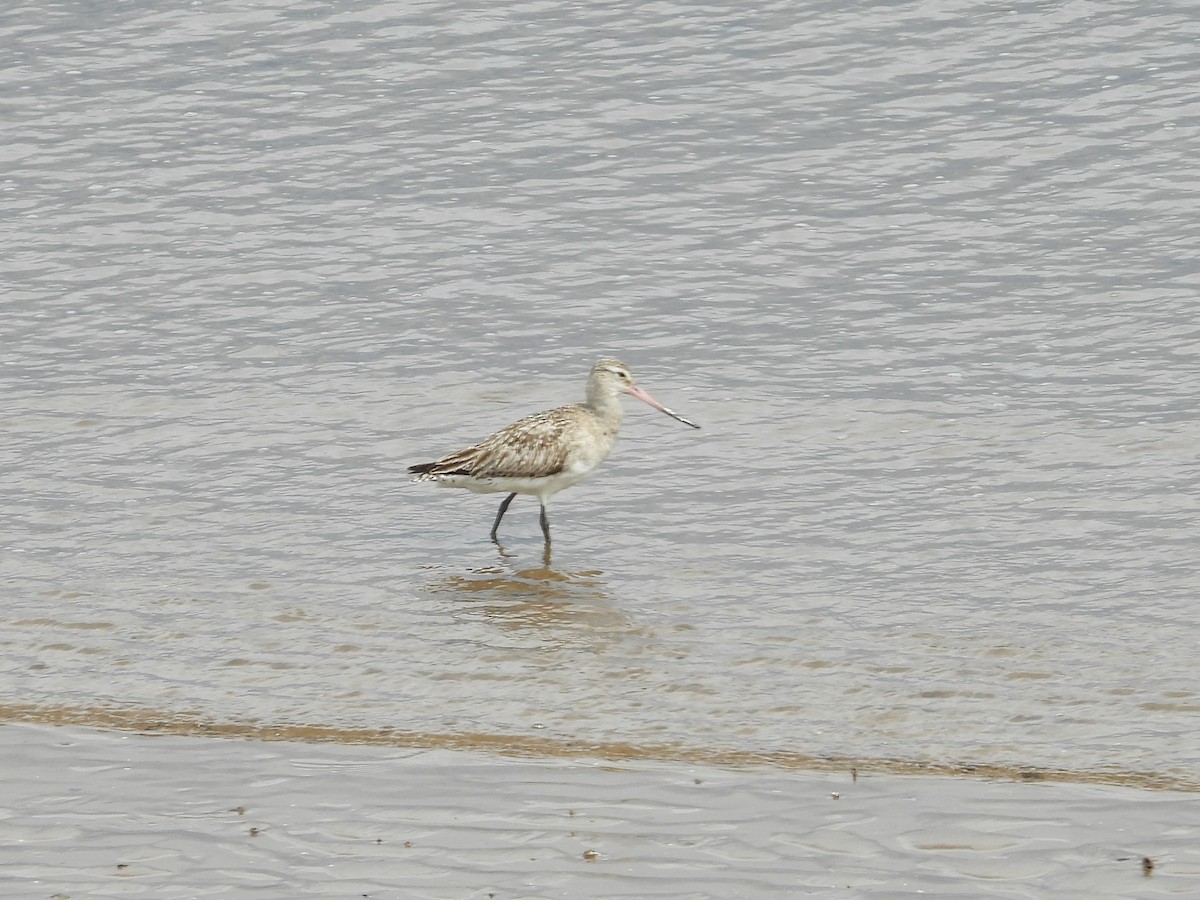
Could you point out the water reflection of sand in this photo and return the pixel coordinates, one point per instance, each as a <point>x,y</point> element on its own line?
<point>103,812</point>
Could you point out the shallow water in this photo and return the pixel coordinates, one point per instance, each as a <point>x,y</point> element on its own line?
<point>109,814</point>
<point>925,275</point>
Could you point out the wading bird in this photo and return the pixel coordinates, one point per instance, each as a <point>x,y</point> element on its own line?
<point>548,451</point>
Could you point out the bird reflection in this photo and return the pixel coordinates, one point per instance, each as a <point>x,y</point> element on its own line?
<point>537,597</point>
<point>505,553</point>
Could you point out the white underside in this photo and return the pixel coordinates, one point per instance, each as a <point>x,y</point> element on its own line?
<point>542,488</point>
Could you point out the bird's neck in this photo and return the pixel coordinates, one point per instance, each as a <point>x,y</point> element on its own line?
<point>606,408</point>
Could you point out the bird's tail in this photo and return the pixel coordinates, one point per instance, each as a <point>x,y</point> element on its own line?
<point>423,471</point>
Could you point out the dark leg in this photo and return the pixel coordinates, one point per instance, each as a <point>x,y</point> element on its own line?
<point>500,515</point>
<point>545,524</point>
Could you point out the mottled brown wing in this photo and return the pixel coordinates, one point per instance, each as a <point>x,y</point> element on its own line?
<point>530,448</point>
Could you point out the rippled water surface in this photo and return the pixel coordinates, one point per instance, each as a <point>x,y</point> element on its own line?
<point>925,273</point>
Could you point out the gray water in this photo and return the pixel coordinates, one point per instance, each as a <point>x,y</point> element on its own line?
<point>925,273</point>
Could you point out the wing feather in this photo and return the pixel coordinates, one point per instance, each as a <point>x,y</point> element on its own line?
<point>533,447</point>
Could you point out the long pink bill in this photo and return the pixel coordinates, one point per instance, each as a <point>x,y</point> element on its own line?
<point>650,401</point>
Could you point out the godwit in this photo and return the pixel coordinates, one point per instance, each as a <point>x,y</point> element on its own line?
<point>544,453</point>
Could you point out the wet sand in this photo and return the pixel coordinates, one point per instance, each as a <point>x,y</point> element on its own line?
<point>90,812</point>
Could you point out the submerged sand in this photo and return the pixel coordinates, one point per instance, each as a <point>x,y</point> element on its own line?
<point>94,813</point>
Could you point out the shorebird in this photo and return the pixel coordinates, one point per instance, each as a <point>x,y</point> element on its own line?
<point>548,451</point>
